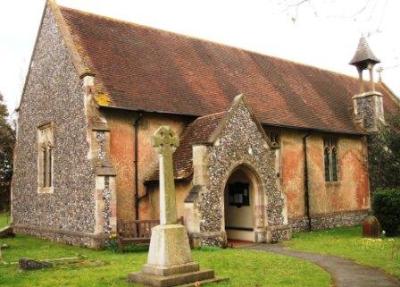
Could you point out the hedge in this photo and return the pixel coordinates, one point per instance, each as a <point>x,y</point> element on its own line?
<point>386,206</point>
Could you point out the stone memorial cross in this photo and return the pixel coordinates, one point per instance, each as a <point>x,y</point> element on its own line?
<point>165,141</point>
<point>169,262</point>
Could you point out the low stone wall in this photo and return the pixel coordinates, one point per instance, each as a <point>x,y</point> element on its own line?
<point>337,219</point>
<point>299,224</point>
<point>330,220</point>
<point>68,237</point>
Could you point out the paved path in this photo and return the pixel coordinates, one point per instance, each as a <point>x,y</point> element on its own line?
<point>345,273</point>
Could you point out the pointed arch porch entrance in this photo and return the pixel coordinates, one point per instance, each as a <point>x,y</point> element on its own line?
<point>244,205</point>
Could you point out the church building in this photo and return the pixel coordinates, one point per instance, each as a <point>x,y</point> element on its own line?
<point>268,146</point>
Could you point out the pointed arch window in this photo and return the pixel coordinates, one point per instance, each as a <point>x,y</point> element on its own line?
<point>330,160</point>
<point>45,158</point>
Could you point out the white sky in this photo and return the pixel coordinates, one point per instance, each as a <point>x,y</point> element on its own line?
<point>325,33</point>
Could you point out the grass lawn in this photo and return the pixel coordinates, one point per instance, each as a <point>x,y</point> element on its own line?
<point>105,268</point>
<point>4,219</point>
<point>348,242</point>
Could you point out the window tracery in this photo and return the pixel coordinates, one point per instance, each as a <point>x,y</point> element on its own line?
<point>45,158</point>
<point>330,160</point>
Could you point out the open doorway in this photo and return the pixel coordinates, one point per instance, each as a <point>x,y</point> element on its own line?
<point>241,201</point>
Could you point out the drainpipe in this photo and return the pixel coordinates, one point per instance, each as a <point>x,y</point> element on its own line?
<point>306,187</point>
<point>136,121</point>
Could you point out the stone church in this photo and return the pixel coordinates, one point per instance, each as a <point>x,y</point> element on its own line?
<point>267,146</point>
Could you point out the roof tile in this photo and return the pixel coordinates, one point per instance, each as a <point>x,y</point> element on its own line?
<point>147,69</point>
<point>198,132</point>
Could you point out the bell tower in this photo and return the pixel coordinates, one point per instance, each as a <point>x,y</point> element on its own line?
<point>368,104</point>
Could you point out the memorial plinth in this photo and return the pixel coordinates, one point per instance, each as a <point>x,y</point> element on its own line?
<point>169,262</point>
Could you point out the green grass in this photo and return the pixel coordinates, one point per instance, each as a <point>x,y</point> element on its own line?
<point>4,219</point>
<point>347,242</point>
<point>104,268</point>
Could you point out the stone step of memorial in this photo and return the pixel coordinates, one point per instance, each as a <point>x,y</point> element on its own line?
<point>173,280</point>
<point>167,271</point>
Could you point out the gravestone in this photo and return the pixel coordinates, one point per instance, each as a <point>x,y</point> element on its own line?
<point>169,261</point>
<point>31,264</point>
<point>371,227</point>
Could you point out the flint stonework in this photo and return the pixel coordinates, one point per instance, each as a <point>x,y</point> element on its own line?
<point>328,220</point>
<point>99,155</point>
<point>53,94</point>
<point>240,143</point>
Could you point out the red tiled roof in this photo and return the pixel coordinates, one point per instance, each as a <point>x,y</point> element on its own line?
<point>146,69</point>
<point>198,132</point>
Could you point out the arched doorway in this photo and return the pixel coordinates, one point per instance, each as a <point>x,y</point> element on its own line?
<point>244,206</point>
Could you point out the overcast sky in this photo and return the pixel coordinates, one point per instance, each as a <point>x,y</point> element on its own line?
<point>322,33</point>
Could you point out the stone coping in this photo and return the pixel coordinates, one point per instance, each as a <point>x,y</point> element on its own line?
<point>368,94</point>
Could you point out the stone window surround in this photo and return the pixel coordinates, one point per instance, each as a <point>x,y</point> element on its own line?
<point>48,143</point>
<point>330,144</point>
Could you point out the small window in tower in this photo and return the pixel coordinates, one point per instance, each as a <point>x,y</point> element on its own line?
<point>45,158</point>
<point>330,160</point>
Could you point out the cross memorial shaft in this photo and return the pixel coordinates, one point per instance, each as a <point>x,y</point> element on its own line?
<point>169,262</point>
<point>166,142</point>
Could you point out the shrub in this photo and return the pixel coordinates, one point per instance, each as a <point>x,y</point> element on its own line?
<point>386,206</point>
<point>384,155</point>
<point>112,245</point>
<point>134,248</point>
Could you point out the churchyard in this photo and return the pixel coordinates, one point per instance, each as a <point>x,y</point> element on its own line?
<point>4,219</point>
<point>243,267</point>
<point>169,261</point>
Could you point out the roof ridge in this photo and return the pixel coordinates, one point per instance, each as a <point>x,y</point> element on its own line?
<point>391,94</point>
<point>210,115</point>
<point>203,40</point>
<point>184,75</point>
